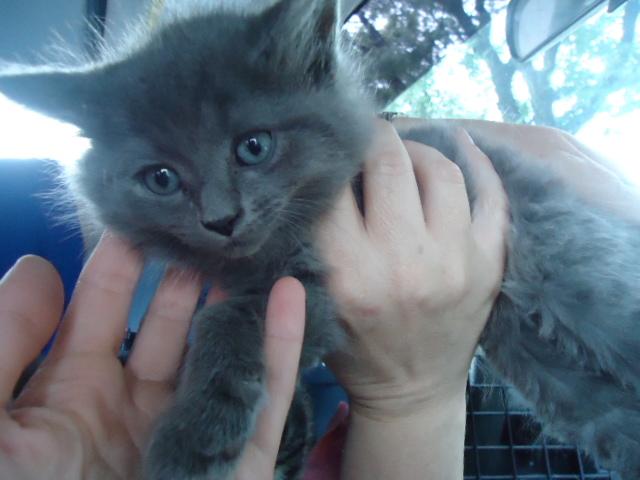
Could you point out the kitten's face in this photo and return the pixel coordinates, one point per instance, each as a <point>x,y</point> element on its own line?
<point>223,134</point>
<point>207,151</point>
<point>221,186</point>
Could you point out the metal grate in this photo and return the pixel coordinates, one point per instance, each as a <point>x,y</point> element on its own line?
<point>503,441</point>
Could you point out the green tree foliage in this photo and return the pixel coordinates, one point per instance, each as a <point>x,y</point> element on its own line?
<point>399,40</point>
<point>595,69</point>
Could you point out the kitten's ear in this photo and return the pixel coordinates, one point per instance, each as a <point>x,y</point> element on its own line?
<point>309,29</point>
<point>65,95</point>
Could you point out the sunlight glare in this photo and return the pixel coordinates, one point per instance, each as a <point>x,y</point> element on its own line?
<point>25,134</point>
<point>616,138</point>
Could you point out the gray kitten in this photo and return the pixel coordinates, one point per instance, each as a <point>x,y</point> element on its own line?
<point>220,141</point>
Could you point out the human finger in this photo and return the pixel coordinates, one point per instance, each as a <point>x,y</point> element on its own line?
<point>490,218</point>
<point>97,315</point>
<point>443,192</point>
<point>159,346</point>
<point>341,231</point>
<point>284,332</point>
<point>31,301</point>
<point>391,198</point>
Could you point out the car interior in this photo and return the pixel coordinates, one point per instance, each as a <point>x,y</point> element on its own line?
<point>567,64</point>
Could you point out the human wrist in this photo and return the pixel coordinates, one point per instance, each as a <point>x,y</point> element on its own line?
<point>423,443</point>
<point>408,402</point>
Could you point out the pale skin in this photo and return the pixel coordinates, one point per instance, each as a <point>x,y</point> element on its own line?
<point>414,295</point>
<point>83,415</point>
<point>415,283</point>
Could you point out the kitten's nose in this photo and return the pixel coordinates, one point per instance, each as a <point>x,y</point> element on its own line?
<point>223,226</point>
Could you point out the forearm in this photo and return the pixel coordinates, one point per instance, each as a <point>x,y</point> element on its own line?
<point>424,445</point>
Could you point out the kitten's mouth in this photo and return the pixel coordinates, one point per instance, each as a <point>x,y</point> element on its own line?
<point>247,242</point>
<point>241,247</point>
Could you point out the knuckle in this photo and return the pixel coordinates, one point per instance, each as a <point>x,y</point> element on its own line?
<point>356,297</point>
<point>410,285</point>
<point>438,165</point>
<point>357,304</point>
<point>388,155</point>
<point>442,166</point>
<point>452,173</point>
<point>364,310</point>
<point>166,311</point>
<point>391,163</point>
<point>422,153</point>
<point>109,284</point>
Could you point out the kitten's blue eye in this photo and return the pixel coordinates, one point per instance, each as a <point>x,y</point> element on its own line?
<point>255,148</point>
<point>161,180</point>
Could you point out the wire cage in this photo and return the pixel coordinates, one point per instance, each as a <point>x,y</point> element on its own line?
<point>503,440</point>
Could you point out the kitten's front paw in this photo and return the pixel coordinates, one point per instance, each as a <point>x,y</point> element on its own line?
<point>196,445</point>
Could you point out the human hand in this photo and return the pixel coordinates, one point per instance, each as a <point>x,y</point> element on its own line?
<point>84,415</point>
<point>595,178</point>
<point>416,277</point>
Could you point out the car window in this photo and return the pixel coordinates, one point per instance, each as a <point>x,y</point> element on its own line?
<point>399,41</point>
<point>448,61</point>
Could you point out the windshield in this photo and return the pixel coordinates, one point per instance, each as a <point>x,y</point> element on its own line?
<point>588,84</point>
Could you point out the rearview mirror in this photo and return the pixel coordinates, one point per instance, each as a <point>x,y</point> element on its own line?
<point>535,25</point>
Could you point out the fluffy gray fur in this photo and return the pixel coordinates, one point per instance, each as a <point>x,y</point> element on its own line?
<point>563,330</point>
